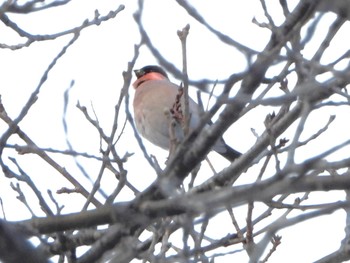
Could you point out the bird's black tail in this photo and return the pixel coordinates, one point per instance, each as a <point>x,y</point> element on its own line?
<point>230,154</point>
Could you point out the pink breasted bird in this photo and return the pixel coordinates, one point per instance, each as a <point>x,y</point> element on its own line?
<point>155,96</point>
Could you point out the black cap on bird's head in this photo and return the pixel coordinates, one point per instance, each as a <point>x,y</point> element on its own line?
<point>148,69</point>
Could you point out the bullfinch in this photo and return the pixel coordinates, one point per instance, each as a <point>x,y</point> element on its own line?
<point>154,101</point>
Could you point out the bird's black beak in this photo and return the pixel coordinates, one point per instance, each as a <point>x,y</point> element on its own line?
<point>139,73</point>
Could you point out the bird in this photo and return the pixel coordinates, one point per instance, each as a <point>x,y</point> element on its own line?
<point>154,101</point>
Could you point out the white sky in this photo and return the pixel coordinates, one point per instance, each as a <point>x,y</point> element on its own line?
<point>96,61</point>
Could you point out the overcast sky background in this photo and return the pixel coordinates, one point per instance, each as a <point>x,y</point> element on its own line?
<point>96,62</point>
